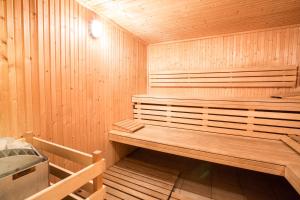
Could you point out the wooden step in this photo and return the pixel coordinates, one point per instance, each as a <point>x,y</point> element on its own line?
<point>128,125</point>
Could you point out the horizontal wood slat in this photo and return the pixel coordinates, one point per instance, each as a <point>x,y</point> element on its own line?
<point>230,115</point>
<point>228,103</point>
<point>248,77</point>
<point>63,151</point>
<point>227,117</point>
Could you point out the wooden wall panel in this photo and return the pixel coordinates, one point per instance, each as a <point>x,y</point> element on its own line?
<point>4,72</point>
<point>59,82</point>
<point>269,47</point>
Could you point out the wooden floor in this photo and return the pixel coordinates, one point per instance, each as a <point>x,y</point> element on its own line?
<point>131,179</point>
<point>147,174</point>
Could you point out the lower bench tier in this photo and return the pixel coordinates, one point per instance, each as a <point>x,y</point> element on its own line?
<point>149,175</point>
<point>268,156</point>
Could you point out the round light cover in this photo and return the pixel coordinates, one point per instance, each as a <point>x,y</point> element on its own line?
<point>95,28</point>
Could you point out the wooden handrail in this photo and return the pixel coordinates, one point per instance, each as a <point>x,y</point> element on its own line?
<point>95,166</point>
<point>68,185</point>
<point>62,151</point>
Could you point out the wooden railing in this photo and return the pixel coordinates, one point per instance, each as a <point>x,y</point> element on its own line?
<point>71,182</point>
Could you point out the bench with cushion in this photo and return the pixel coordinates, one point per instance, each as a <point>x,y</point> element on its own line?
<point>255,134</point>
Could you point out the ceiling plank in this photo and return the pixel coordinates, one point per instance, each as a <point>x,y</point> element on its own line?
<point>166,20</point>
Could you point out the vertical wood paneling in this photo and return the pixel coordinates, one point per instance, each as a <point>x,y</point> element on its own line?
<point>34,66</point>
<point>13,103</point>
<point>4,72</point>
<point>269,47</point>
<point>59,82</point>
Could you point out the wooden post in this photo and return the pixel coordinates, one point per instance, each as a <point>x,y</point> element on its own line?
<point>28,136</point>
<point>98,181</point>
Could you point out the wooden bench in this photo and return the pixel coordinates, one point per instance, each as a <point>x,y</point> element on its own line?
<point>247,77</point>
<point>255,134</point>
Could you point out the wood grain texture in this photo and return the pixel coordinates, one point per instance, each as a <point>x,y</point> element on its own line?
<point>157,21</point>
<point>59,82</point>
<point>252,118</point>
<point>258,77</point>
<point>128,125</point>
<point>268,47</point>
<point>169,140</point>
<point>4,70</point>
<point>292,174</point>
<point>200,180</point>
<point>200,128</point>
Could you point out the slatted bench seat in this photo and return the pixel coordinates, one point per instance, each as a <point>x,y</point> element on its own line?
<point>246,133</point>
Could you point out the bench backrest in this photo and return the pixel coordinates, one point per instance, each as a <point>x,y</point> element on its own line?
<point>256,117</point>
<point>249,77</point>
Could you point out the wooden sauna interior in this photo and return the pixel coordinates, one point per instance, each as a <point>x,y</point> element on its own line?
<point>195,99</point>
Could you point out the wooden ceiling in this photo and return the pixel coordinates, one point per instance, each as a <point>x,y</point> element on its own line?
<point>164,20</point>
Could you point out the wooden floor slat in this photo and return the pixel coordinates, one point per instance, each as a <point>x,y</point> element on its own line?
<point>138,182</point>
<point>136,187</point>
<point>141,177</point>
<point>111,197</point>
<point>117,193</point>
<point>134,179</point>
<point>125,189</point>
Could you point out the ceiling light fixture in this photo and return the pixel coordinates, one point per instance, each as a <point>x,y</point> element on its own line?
<point>95,28</point>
